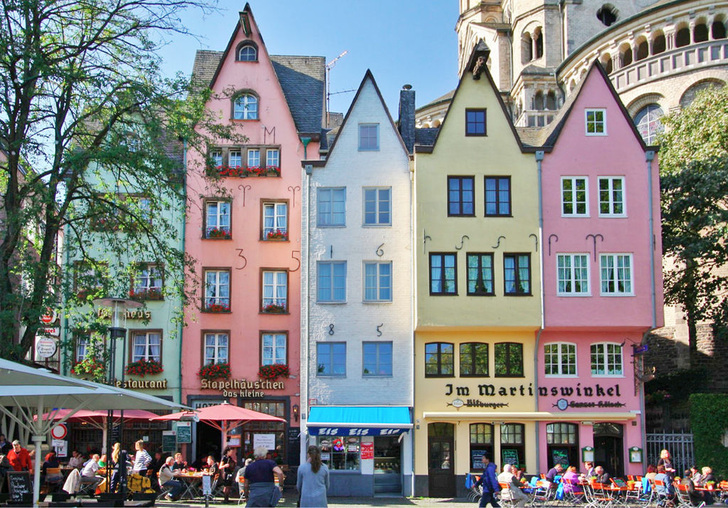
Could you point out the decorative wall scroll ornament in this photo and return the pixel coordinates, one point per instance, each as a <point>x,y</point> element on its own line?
<point>424,241</point>
<point>594,239</point>
<point>245,261</point>
<point>293,191</point>
<point>298,260</point>
<point>331,329</point>
<point>244,188</point>
<point>556,240</point>
<point>379,332</point>
<point>535,239</point>
<point>501,237</point>
<point>379,251</point>
<point>462,241</point>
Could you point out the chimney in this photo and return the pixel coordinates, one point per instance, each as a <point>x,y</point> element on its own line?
<point>407,116</point>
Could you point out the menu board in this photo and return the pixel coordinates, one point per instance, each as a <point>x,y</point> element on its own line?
<point>184,432</point>
<point>510,456</point>
<point>560,456</point>
<point>169,441</point>
<point>19,485</point>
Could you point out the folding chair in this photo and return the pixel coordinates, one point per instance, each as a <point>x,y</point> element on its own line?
<point>683,497</point>
<point>662,494</point>
<point>505,495</point>
<point>574,494</point>
<point>53,479</point>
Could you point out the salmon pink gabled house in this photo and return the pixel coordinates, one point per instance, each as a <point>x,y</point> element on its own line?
<point>243,231</point>
<point>601,261</point>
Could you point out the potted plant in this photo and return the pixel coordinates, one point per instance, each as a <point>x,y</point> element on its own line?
<point>212,371</point>
<point>273,372</point>
<point>273,171</point>
<point>144,367</point>
<point>91,366</point>
<point>217,307</point>
<point>146,294</point>
<point>277,234</point>
<point>274,308</point>
<point>219,233</point>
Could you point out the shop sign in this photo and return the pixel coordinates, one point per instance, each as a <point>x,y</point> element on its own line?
<point>355,431</point>
<point>49,317</point>
<point>242,388</point>
<point>45,347</point>
<point>143,384</point>
<point>146,315</point>
<point>48,331</point>
<point>490,390</point>
<point>578,397</point>
<point>367,450</point>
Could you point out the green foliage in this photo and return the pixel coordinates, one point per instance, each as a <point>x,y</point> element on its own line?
<point>694,182</point>
<point>676,386</point>
<point>709,422</point>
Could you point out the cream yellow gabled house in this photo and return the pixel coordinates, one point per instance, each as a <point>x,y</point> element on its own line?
<point>478,290</point>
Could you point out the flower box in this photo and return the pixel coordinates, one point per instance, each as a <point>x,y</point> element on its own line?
<point>219,233</point>
<point>91,366</point>
<point>277,235</point>
<point>214,371</point>
<point>273,372</point>
<point>243,171</point>
<point>217,307</point>
<point>273,308</point>
<point>144,367</point>
<point>146,294</point>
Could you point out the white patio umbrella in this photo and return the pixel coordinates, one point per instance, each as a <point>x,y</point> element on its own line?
<point>39,395</point>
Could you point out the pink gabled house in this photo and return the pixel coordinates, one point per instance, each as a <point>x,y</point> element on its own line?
<point>602,277</point>
<point>243,230</point>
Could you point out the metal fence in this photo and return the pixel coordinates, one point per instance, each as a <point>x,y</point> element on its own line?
<point>679,444</point>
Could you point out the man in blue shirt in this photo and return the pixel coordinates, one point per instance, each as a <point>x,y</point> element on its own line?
<point>489,483</point>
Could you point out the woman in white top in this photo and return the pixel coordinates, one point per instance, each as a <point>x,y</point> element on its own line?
<point>142,459</point>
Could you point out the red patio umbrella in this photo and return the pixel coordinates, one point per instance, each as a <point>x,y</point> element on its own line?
<point>224,417</point>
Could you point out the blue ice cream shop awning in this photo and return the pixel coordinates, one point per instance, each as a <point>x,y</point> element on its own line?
<point>359,420</point>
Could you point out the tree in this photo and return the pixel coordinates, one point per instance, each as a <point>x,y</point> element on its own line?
<point>81,93</point>
<point>694,182</point>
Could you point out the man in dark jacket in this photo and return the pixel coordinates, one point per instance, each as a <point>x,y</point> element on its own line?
<point>489,482</point>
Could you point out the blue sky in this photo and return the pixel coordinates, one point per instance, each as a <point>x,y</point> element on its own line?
<point>401,41</point>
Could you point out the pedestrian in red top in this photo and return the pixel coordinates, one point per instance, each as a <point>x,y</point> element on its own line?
<point>19,458</point>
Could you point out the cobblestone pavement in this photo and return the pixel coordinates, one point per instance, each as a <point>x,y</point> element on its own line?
<point>289,500</point>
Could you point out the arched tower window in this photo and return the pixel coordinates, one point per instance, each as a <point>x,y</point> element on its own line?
<point>551,101</point>
<point>526,48</point>
<point>682,37</point>
<point>625,54</point>
<point>718,30</point>
<point>247,51</point>
<point>643,50</point>
<point>700,34</point>
<point>648,123</point>
<point>538,42</point>
<point>606,62</point>
<point>659,44</point>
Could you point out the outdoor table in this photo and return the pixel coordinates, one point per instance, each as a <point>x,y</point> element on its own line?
<point>192,482</point>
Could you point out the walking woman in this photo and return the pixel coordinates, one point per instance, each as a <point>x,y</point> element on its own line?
<point>227,470</point>
<point>313,480</point>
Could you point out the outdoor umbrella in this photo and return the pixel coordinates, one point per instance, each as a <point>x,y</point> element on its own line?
<point>224,417</point>
<point>35,391</point>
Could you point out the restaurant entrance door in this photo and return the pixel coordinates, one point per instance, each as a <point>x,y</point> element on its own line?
<point>441,463</point>
<point>609,448</point>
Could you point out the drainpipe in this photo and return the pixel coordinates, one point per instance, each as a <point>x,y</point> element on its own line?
<point>539,166</point>
<point>181,322</point>
<point>305,306</point>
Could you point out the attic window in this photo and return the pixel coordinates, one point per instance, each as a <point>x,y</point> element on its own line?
<point>607,14</point>
<point>247,51</point>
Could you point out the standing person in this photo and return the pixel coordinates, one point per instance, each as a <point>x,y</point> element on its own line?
<point>227,471</point>
<point>263,490</point>
<point>166,479</point>
<point>5,446</point>
<point>19,458</point>
<point>489,483</point>
<point>142,459</point>
<point>666,462</point>
<point>313,480</point>
<point>114,465</point>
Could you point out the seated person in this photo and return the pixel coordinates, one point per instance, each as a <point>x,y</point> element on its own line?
<point>666,490</point>
<point>602,475</point>
<point>88,473</point>
<point>513,492</point>
<point>51,461</point>
<point>651,472</point>
<point>571,481</point>
<point>589,470</point>
<point>706,480</point>
<point>166,479</point>
<point>179,462</point>
<point>211,466</point>
<point>554,472</point>
<point>694,475</point>
<point>695,497</point>
<point>76,459</point>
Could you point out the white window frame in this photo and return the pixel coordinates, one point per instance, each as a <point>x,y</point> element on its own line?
<point>223,211</point>
<point>610,201</point>
<point>594,122</point>
<point>573,201</point>
<point>148,277</point>
<point>220,288</point>
<point>332,277</point>
<point>275,283</point>
<point>245,107</point>
<point>235,158</point>
<point>278,212</point>
<point>273,158</point>
<point>615,279</point>
<point>561,363</point>
<point>563,278</point>
<point>378,203</point>
<point>603,357</point>
<point>217,157</point>
<point>147,344</point>
<point>274,349</point>
<point>245,51</point>
<point>330,196</point>
<point>368,137</point>
<point>378,354</point>
<point>253,158</point>
<point>379,281</point>
<point>220,341</point>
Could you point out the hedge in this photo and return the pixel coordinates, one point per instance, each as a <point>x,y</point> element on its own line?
<point>709,423</point>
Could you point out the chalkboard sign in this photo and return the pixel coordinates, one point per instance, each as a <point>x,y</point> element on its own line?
<point>19,485</point>
<point>510,456</point>
<point>169,441</point>
<point>184,432</point>
<point>476,459</point>
<point>560,456</point>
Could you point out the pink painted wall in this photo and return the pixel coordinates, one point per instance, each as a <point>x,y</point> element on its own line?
<point>246,254</point>
<point>617,154</point>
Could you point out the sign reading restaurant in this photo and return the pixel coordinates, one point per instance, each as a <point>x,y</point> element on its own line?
<point>241,387</point>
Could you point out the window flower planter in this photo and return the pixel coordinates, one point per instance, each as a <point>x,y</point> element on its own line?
<point>273,372</point>
<point>219,234</point>
<point>243,171</point>
<point>274,309</point>
<point>214,371</point>
<point>277,235</point>
<point>144,367</point>
<point>90,366</point>
<point>217,307</point>
<point>146,294</point>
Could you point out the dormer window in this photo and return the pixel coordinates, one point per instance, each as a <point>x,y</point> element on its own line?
<point>245,107</point>
<point>247,51</point>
